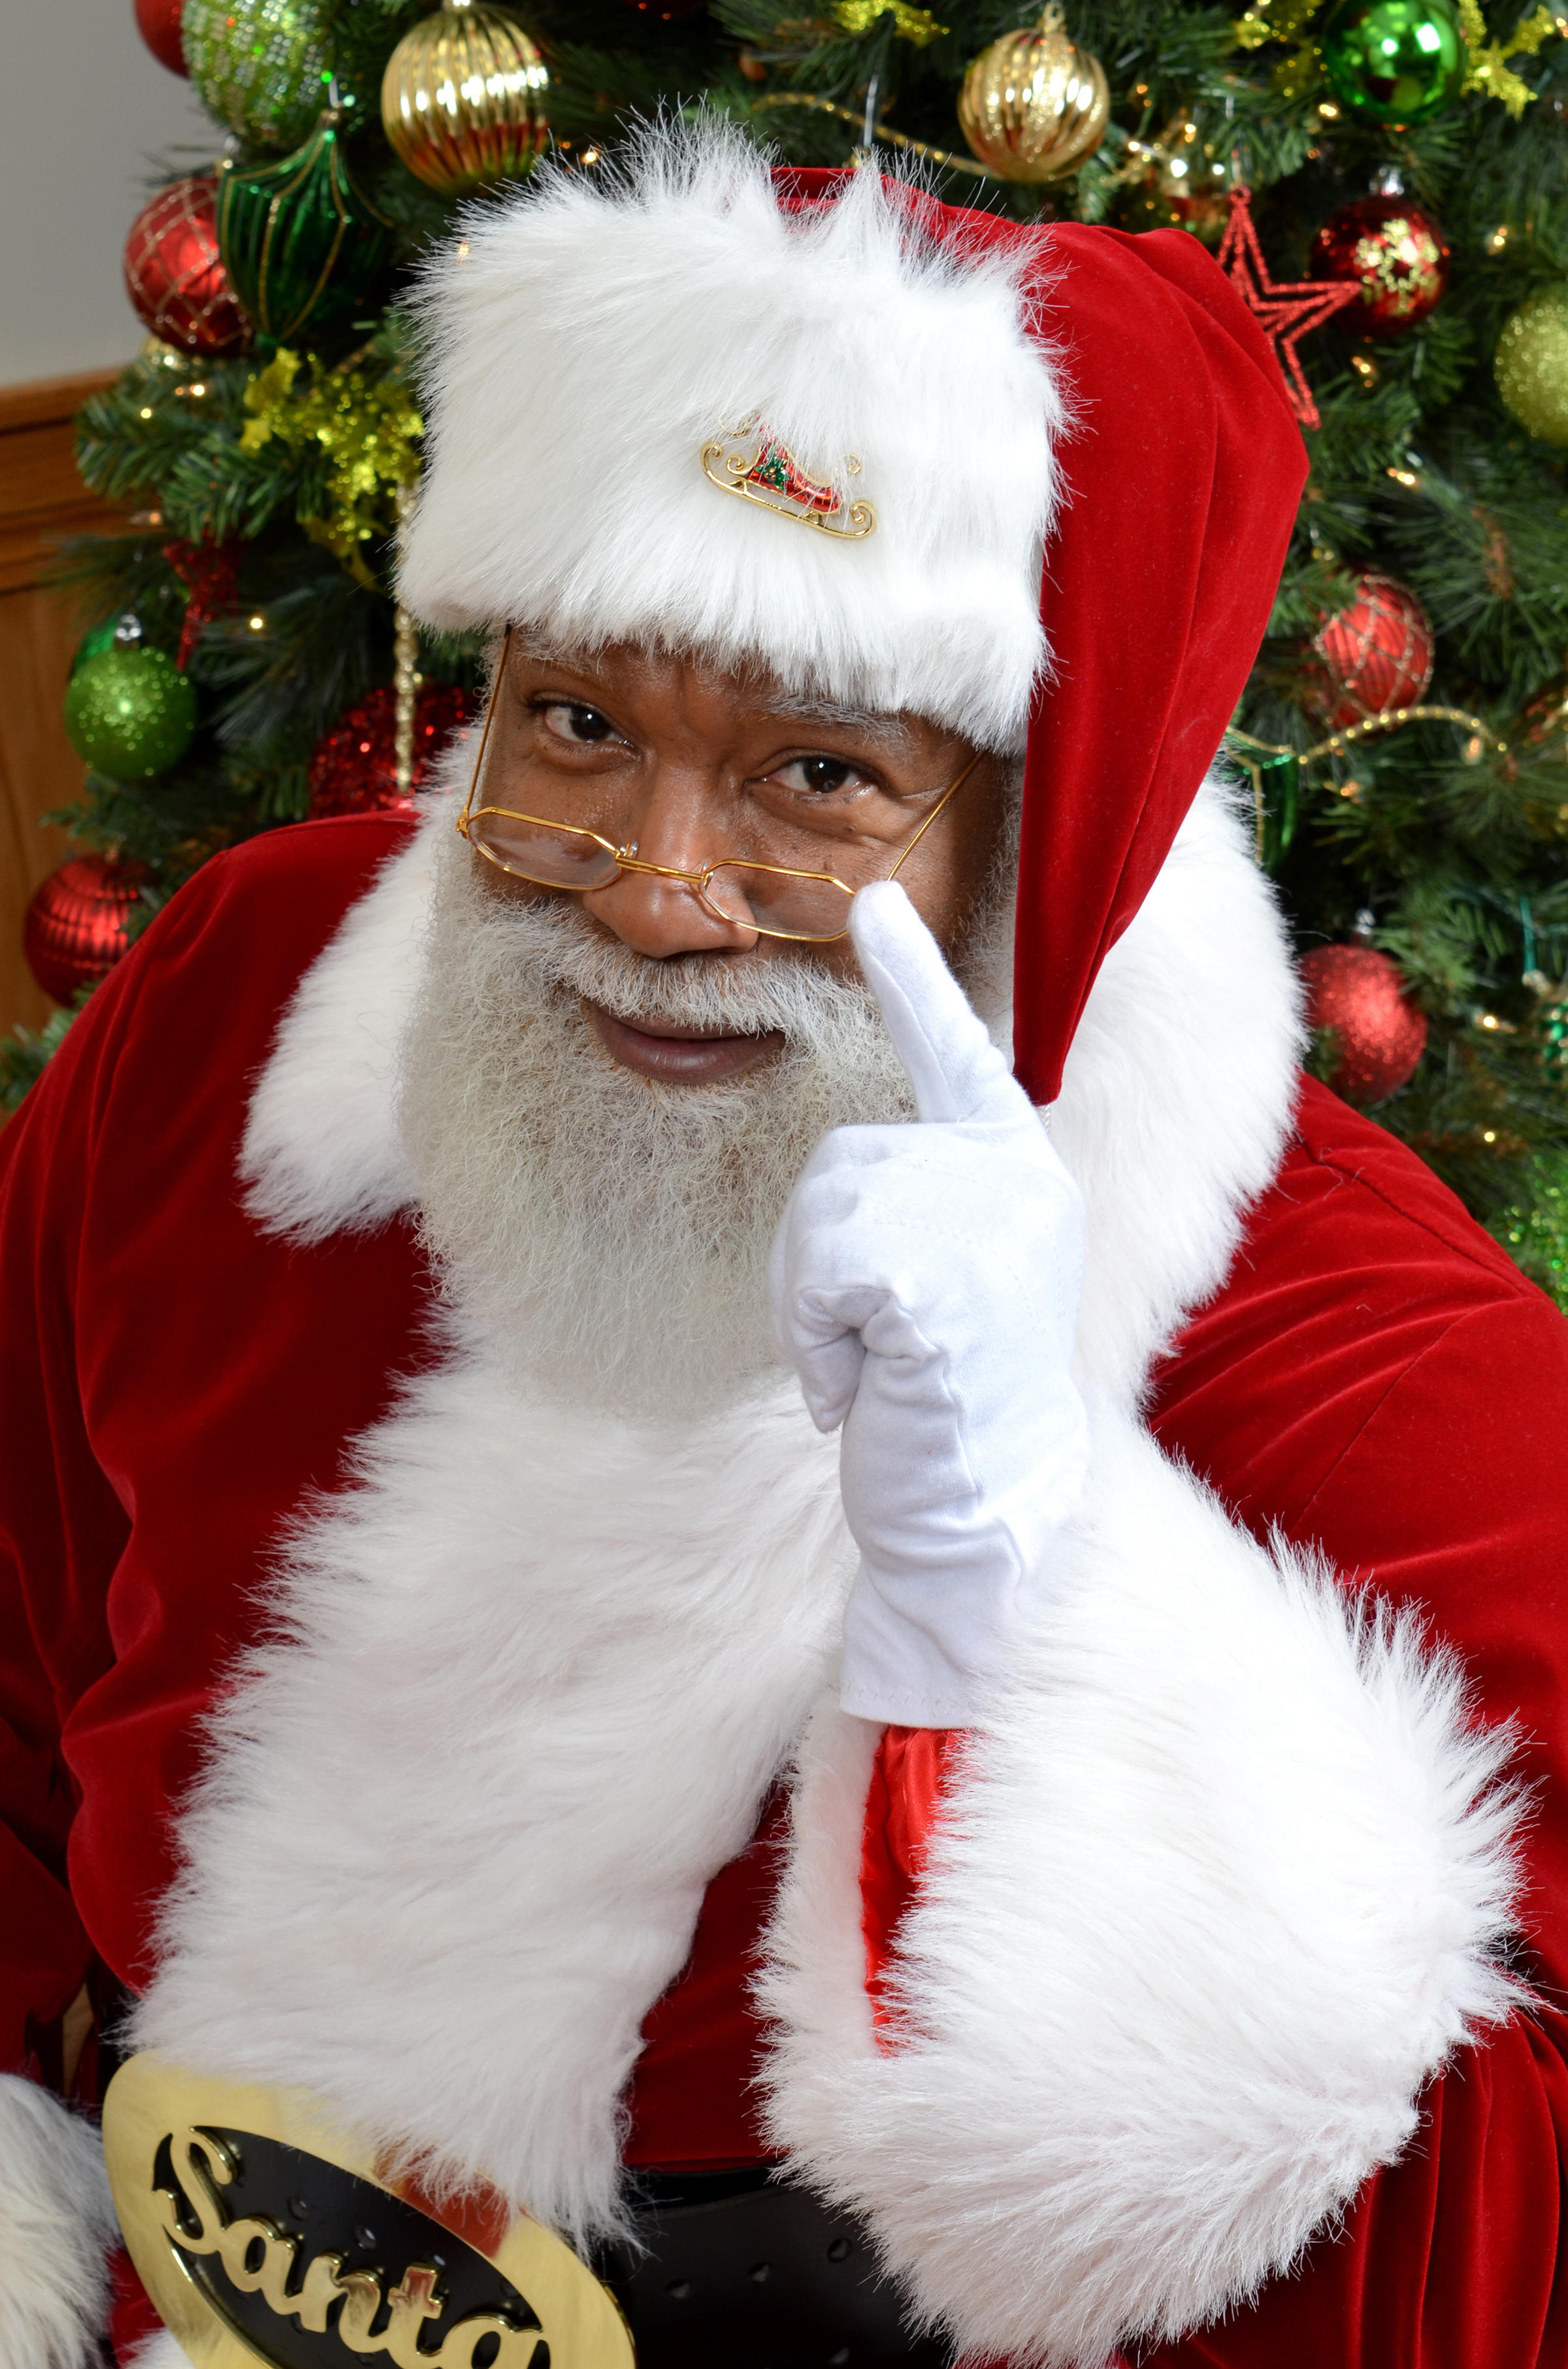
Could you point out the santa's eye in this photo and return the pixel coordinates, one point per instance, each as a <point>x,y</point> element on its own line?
<point>818,776</point>
<point>570,720</point>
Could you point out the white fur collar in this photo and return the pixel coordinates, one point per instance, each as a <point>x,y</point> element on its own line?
<point>533,1674</point>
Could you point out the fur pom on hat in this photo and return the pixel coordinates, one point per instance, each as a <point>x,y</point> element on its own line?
<point>586,340</point>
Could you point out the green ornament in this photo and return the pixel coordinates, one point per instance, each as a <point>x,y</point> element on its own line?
<point>258,65</point>
<point>1394,61</point>
<point>1532,363</point>
<point>130,713</point>
<point>300,241</point>
<point>1551,1027</point>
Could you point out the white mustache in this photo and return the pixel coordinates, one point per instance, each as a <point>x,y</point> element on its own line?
<point>571,956</point>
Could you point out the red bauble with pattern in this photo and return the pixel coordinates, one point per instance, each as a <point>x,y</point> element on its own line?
<point>157,21</point>
<point>75,929</point>
<point>1377,653</point>
<point>175,276</point>
<point>353,769</point>
<point>1381,1035</point>
<point>1397,257</point>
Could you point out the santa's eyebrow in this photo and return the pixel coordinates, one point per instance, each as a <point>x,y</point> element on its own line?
<point>810,707</point>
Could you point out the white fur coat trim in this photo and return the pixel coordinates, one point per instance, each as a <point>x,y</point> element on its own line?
<point>1216,1899</point>
<point>1217,1893</point>
<point>56,2226</point>
<point>584,343</point>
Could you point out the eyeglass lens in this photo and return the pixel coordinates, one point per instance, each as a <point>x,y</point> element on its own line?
<point>750,896</point>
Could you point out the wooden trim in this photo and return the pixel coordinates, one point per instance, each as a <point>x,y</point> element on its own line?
<point>40,400</point>
<point>42,497</point>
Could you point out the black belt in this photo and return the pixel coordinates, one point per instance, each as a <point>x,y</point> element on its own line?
<point>740,2272</point>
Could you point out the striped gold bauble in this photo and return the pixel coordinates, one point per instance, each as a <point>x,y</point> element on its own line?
<point>463,98</point>
<point>1034,106</point>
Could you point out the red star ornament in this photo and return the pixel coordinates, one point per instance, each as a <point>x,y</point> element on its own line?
<point>1284,311</point>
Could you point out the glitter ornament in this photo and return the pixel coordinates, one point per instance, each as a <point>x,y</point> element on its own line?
<point>175,275</point>
<point>302,242</point>
<point>1284,310</point>
<point>75,929</point>
<point>1551,1033</point>
<point>1033,106</point>
<point>1393,61</point>
<point>1377,653</point>
<point>463,98</point>
<point>210,573</point>
<point>1395,253</point>
<point>353,769</point>
<point>1186,185</point>
<point>1379,1035</point>
<point>258,65</point>
<point>1532,363</point>
<point>130,712</point>
<point>157,21</point>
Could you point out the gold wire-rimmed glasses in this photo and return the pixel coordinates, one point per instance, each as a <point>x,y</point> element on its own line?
<point>777,900</point>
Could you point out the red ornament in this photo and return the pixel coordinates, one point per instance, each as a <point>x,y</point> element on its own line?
<point>1284,311</point>
<point>665,9</point>
<point>1377,653</point>
<point>1395,255</point>
<point>210,572</point>
<point>75,928</point>
<point>174,274</point>
<point>157,21</point>
<point>1379,1033</point>
<point>353,769</point>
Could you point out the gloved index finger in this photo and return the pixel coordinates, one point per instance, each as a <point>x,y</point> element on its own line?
<point>955,1070</point>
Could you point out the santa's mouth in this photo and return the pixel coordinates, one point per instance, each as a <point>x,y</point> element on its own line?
<point>680,1054</point>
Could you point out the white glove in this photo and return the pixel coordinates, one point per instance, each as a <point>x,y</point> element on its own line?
<point>926,1282</point>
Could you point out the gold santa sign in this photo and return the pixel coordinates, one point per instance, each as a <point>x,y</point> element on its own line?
<point>260,2236</point>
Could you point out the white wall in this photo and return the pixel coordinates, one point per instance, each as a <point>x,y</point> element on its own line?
<point>84,108</point>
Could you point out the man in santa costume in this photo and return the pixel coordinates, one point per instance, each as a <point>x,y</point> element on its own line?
<point>732,1531</point>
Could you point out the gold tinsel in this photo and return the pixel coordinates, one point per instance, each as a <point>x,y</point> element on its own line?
<point>1033,106</point>
<point>369,428</point>
<point>917,25</point>
<point>463,98</point>
<point>1488,59</point>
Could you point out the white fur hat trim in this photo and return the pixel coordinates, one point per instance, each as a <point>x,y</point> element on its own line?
<point>585,342</point>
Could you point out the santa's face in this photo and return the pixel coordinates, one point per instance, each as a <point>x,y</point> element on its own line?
<point>685,765</point>
<point>608,1096</point>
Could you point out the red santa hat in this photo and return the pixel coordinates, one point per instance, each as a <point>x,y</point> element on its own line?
<point>1035,483</point>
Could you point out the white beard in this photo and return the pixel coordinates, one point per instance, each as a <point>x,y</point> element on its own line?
<point>609,1233</point>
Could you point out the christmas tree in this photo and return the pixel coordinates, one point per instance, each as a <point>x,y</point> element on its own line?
<point>1382,176</point>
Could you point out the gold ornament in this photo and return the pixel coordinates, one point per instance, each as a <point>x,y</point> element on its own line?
<point>1033,106</point>
<point>1182,182</point>
<point>1532,363</point>
<point>463,98</point>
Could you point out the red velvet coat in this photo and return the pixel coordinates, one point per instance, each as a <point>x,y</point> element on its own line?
<point>1375,1376</point>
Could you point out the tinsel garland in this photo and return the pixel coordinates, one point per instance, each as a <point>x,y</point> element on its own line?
<point>369,427</point>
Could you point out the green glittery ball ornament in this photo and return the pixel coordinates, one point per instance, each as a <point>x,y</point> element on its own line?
<point>130,713</point>
<point>259,65</point>
<point>1394,61</point>
<point>1532,363</point>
